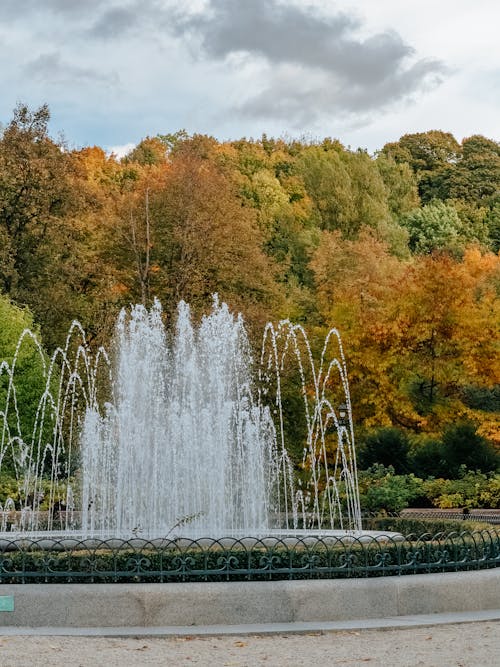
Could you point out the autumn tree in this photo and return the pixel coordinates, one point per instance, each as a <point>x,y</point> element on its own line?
<point>37,204</point>
<point>92,290</point>
<point>33,193</point>
<point>356,284</point>
<point>444,333</point>
<point>201,239</point>
<point>417,332</point>
<point>151,150</point>
<point>308,230</point>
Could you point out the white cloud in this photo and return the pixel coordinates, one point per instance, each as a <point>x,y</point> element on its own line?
<point>121,150</point>
<point>356,69</point>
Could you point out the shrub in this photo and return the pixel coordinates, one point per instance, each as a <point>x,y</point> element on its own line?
<point>382,490</point>
<point>472,490</point>
<point>463,446</point>
<point>427,459</point>
<point>419,526</point>
<point>388,447</point>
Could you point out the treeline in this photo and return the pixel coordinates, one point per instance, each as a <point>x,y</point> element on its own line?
<point>397,250</point>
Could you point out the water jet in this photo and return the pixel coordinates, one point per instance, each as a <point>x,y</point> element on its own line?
<point>182,432</point>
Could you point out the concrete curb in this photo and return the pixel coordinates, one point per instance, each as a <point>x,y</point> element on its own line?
<point>196,605</point>
<point>425,620</point>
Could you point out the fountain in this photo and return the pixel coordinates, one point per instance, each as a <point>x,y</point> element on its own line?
<point>181,432</point>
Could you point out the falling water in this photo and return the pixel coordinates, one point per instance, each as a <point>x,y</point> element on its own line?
<point>190,440</point>
<point>197,449</point>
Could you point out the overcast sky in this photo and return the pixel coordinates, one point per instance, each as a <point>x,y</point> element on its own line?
<point>363,71</point>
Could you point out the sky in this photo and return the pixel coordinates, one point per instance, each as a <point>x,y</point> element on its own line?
<point>362,71</point>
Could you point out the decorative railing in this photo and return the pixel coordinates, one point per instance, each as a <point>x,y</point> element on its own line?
<point>68,560</point>
<point>480,515</point>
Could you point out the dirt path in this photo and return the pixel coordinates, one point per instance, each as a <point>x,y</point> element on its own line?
<point>460,645</point>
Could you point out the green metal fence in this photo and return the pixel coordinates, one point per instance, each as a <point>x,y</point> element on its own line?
<point>68,560</point>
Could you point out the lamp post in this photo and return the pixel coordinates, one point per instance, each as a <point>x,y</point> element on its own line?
<point>343,415</point>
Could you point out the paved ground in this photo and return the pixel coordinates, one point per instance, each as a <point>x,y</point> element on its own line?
<point>456,645</point>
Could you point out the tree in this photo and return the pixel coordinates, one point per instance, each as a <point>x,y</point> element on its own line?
<point>151,150</point>
<point>201,239</point>
<point>349,193</point>
<point>492,221</point>
<point>387,446</point>
<point>425,151</point>
<point>432,156</point>
<point>436,226</point>
<point>33,192</point>
<point>476,177</point>
<point>357,283</point>
<point>466,176</point>
<point>19,399</point>
<point>328,183</point>
<point>462,446</point>
<point>44,211</point>
<point>427,458</point>
<point>417,332</point>
<point>401,185</point>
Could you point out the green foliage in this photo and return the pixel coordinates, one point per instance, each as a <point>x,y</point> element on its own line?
<point>425,151</point>
<point>149,151</point>
<point>427,458</point>
<point>172,139</point>
<point>431,155</point>
<point>29,375</point>
<point>482,398</point>
<point>473,490</point>
<point>382,490</point>
<point>476,177</point>
<point>475,227</point>
<point>460,449</point>
<point>406,525</point>
<point>463,446</point>
<point>466,176</point>
<point>347,190</point>
<point>436,226</point>
<point>492,222</point>
<point>386,446</point>
<point>9,488</point>
<point>401,185</point>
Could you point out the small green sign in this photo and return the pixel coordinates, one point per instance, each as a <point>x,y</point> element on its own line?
<point>6,603</point>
